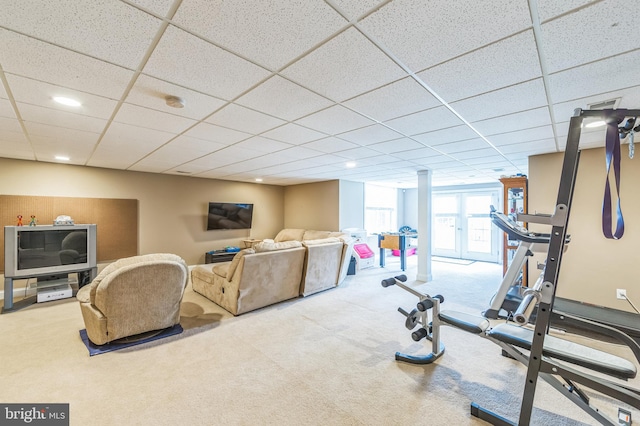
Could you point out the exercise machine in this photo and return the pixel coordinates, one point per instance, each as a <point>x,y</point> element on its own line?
<point>420,316</point>
<point>510,294</point>
<point>548,357</point>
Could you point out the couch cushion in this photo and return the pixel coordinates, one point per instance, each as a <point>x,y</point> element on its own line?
<point>221,269</point>
<point>289,234</point>
<point>266,246</point>
<point>315,235</point>
<point>321,241</point>
<point>233,265</point>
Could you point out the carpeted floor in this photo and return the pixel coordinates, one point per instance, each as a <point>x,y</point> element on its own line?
<point>327,359</point>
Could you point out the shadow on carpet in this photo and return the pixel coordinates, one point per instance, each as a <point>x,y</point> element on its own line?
<point>127,342</point>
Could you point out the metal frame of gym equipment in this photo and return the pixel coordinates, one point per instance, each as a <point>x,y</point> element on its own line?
<point>510,293</point>
<point>540,361</point>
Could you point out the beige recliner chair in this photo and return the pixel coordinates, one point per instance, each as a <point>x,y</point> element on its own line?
<point>134,295</point>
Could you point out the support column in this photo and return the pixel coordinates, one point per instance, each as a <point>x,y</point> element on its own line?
<point>424,225</point>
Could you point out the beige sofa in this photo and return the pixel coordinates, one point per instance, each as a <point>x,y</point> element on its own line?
<point>326,259</point>
<point>132,296</point>
<point>255,278</point>
<point>296,262</point>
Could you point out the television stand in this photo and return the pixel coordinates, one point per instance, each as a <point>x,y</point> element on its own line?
<point>84,276</point>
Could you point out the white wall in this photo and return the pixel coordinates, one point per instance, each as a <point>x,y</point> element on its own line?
<point>351,204</point>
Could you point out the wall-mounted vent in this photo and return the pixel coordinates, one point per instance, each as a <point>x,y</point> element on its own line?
<point>610,104</point>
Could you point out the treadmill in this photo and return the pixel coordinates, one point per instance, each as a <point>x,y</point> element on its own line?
<point>567,314</point>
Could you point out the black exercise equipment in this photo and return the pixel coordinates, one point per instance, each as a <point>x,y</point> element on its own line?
<point>547,356</point>
<point>510,294</point>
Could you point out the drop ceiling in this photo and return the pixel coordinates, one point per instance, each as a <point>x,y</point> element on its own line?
<point>292,91</point>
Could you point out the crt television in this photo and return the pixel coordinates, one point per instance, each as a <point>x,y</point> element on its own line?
<point>31,251</point>
<point>229,216</point>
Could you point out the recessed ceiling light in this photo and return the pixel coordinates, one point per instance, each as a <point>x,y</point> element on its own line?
<point>66,101</point>
<point>595,124</point>
<point>258,179</point>
<point>62,158</point>
<point>350,164</point>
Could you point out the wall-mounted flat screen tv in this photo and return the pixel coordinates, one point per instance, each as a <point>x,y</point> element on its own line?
<point>229,216</point>
<point>31,251</point>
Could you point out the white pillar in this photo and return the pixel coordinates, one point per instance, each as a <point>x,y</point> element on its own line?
<point>424,225</point>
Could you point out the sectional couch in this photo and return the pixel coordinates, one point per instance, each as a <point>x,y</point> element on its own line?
<point>295,263</point>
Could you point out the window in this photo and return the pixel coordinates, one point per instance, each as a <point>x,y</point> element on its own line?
<point>380,209</point>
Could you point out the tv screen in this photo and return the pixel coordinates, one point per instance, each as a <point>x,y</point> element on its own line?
<point>229,216</point>
<point>38,250</point>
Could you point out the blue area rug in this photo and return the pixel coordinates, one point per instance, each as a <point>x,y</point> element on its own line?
<point>127,342</point>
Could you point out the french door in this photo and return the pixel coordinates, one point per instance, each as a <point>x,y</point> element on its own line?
<point>462,226</point>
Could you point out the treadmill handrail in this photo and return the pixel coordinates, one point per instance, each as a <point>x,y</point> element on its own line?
<point>517,232</point>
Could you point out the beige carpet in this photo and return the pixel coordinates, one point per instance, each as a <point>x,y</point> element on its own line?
<point>327,359</point>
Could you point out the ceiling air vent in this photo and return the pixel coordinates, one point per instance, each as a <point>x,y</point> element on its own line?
<point>610,104</point>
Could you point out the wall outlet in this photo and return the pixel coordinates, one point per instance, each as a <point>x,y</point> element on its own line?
<point>621,293</point>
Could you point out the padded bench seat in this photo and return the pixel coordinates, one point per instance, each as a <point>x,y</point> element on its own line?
<point>554,347</point>
<point>565,350</point>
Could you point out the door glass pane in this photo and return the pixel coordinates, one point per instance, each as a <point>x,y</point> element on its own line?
<point>444,233</point>
<point>479,234</point>
<point>478,223</point>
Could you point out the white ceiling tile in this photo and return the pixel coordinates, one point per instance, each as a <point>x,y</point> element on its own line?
<point>124,144</point>
<point>452,134</point>
<point>358,153</point>
<point>10,124</point>
<point>422,35</point>
<point>261,144</point>
<point>15,145</point>
<point>346,66</point>
<point>159,7</point>
<point>299,153</point>
<point>417,154</point>
<point>477,153</point>
<point>393,100</point>
<point>335,119</point>
<point>284,99</point>
<point>293,134</point>
<point>566,44</point>
<point>55,117</point>
<point>218,134</point>
<point>151,93</point>
<point>370,135</point>
<point>234,154</point>
<point>330,144</point>
<point>55,65</point>
<point>111,31</point>
<point>57,133</point>
<point>604,76</point>
<point>39,93</point>
<point>468,145</point>
<point>509,61</point>
<point>533,134</point>
<point>512,122</point>
<point>520,97</point>
<point>548,9</point>
<point>150,118</point>
<point>280,31</point>
<point>3,92</point>
<point>189,61</point>
<point>180,150</point>
<point>396,145</point>
<point>425,121</point>
<point>238,117</point>
<point>531,148</point>
<point>354,9</point>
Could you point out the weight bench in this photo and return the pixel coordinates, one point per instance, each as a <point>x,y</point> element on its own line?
<point>554,347</point>
<point>510,337</point>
